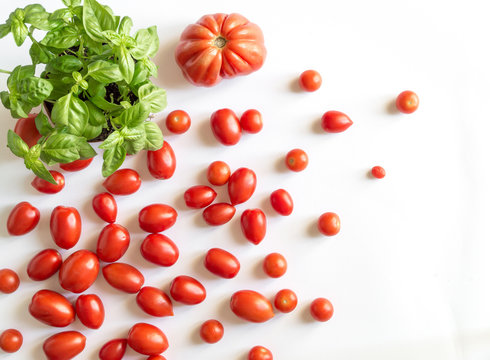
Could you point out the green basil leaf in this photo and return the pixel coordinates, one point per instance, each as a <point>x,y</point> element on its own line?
<point>91,131</point>
<point>40,170</point>
<point>96,19</point>
<point>155,41</point>
<point>96,116</point>
<point>71,3</point>
<point>126,63</point>
<point>85,150</point>
<point>4,30</point>
<point>33,153</point>
<point>19,31</point>
<point>40,54</point>
<point>113,140</point>
<point>61,38</point>
<point>61,16</point>
<point>37,16</point>
<point>62,148</point>
<point>16,144</point>
<point>113,159</point>
<point>134,138</point>
<point>151,67</point>
<point>34,90</point>
<point>140,74</point>
<point>77,76</point>
<point>154,96</point>
<point>72,112</point>
<point>66,64</point>
<point>105,105</point>
<point>19,73</point>
<point>113,37</point>
<point>104,71</point>
<point>154,136</point>
<point>147,43</point>
<point>19,108</point>
<point>43,124</point>
<point>5,97</point>
<point>135,115</point>
<point>125,25</point>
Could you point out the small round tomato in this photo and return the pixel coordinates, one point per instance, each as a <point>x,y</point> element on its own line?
<point>275,265</point>
<point>296,160</point>
<point>9,281</point>
<point>335,121</point>
<point>187,290</point>
<point>259,353</point>
<point>282,202</point>
<point>160,250</point>
<point>285,301</point>
<point>147,339</point>
<point>212,331</point>
<point>226,127</point>
<point>11,340</point>
<point>113,350</point>
<point>22,219</point>
<point>46,187</point>
<point>154,301</point>
<point>123,277</point>
<point>79,271</point>
<point>27,130</point>
<point>251,121</point>
<point>251,306</point>
<point>218,173</point>
<point>64,345</point>
<point>222,263</point>
<point>65,226</point>
<point>407,102</point>
<point>199,196</point>
<point>76,165</point>
<point>52,308</point>
<point>161,163</point>
<point>105,207</point>
<point>254,225</point>
<point>157,217</point>
<point>310,80</point>
<point>321,309</point>
<point>112,243</point>
<point>44,265</point>
<point>178,121</point>
<point>378,172</point>
<point>90,311</point>
<point>329,224</point>
<point>123,182</point>
<point>218,214</point>
<point>241,185</point>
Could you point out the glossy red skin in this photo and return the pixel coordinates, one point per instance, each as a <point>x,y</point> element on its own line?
<point>321,309</point>
<point>296,160</point>
<point>335,122</point>
<point>64,346</point>
<point>275,265</point>
<point>378,172</point>
<point>157,217</point>
<point>65,226</point>
<point>222,263</point>
<point>241,185</point>
<point>26,129</point>
<point>329,224</point>
<point>161,163</point>
<point>199,196</point>
<point>9,281</point>
<point>187,290</point>
<point>22,219</point>
<point>154,301</point>
<point>76,165</point>
<point>113,349</point>
<point>259,353</point>
<point>251,121</point>
<point>407,102</point>
<point>310,80</point>
<point>254,225</point>
<point>285,301</point>
<point>52,308</point>
<point>90,310</point>
<point>112,243</point>
<point>226,127</point>
<point>218,173</point>
<point>205,61</point>
<point>160,250</point>
<point>282,202</point>
<point>123,182</point>
<point>44,265</point>
<point>45,187</point>
<point>218,214</point>
<point>105,207</point>
<point>79,271</point>
<point>123,277</point>
<point>211,331</point>
<point>147,339</point>
<point>11,340</point>
<point>178,121</point>
<point>251,306</point>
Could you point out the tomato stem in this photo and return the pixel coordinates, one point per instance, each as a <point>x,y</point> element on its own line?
<point>220,42</point>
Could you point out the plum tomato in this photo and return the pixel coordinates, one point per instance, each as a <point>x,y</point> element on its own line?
<point>159,249</point>
<point>282,202</point>
<point>241,185</point>
<point>218,214</point>
<point>178,121</point>
<point>113,349</point>
<point>254,225</point>
<point>226,127</point>
<point>123,277</point>
<point>22,219</point>
<point>105,207</point>
<point>378,172</point>
<point>11,340</point>
<point>64,345</point>
<point>90,310</point>
<point>76,165</point>
<point>335,121</point>
<point>65,225</point>
<point>79,271</point>
<point>199,196</point>
<point>329,224</point>
<point>187,290</point>
<point>310,80</point>
<point>52,308</point>
<point>161,163</point>
<point>9,281</point>
<point>44,265</point>
<point>251,121</point>
<point>251,306</point>
<point>275,265</point>
<point>296,160</point>
<point>46,187</point>
<point>211,331</point>
<point>285,301</point>
<point>112,243</point>
<point>123,182</point>
<point>27,130</point>
<point>222,263</point>
<point>154,301</point>
<point>407,102</point>
<point>321,309</point>
<point>259,353</point>
<point>147,339</point>
<point>157,217</point>
<point>218,173</point>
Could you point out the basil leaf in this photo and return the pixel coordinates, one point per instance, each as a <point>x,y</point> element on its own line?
<point>19,31</point>
<point>66,64</point>
<point>91,131</point>
<point>62,148</point>
<point>140,74</point>
<point>96,19</point>
<point>61,38</point>
<point>155,41</point>
<point>134,138</point>
<point>34,90</point>
<point>60,17</point>
<point>113,140</point>
<point>104,71</point>
<point>72,112</point>
<point>40,170</point>
<point>154,96</point>
<point>37,16</point>
<point>71,3</point>
<point>4,30</point>
<point>125,25</point>
<point>85,150</point>
<point>16,144</point>
<point>43,124</point>
<point>151,67</point>
<point>103,104</point>
<point>126,63</point>
<point>19,73</point>
<point>113,37</point>
<point>96,116</point>
<point>147,43</point>
<point>113,159</point>
<point>154,137</point>
<point>5,97</point>
<point>18,108</point>
<point>135,115</point>
<point>40,54</point>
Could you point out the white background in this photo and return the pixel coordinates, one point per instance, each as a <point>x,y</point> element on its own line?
<point>408,274</point>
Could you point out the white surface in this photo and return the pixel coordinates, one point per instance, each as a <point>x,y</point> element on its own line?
<point>408,275</point>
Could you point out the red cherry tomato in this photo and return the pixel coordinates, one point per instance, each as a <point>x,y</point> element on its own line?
<point>76,165</point>
<point>154,301</point>
<point>310,80</point>
<point>66,226</point>
<point>112,243</point>
<point>161,163</point>
<point>123,277</point>
<point>123,182</point>
<point>251,121</point>
<point>321,309</point>
<point>64,345</point>
<point>27,130</point>
<point>157,217</point>
<point>285,301</point>
<point>407,102</point>
<point>218,214</point>
<point>259,353</point>
<point>113,350</point>
<point>241,185</point>
<point>282,202</point>
<point>160,250</point>
<point>90,311</point>
<point>335,121</point>
<point>222,263</point>
<point>329,224</point>
<point>44,265</point>
<point>251,306</point>
<point>199,196</point>
<point>254,225</point>
<point>296,160</point>
<point>11,340</point>
<point>147,339</point>
<point>211,331</point>
<point>218,173</point>
<point>378,172</point>
<point>187,290</point>
<point>178,121</point>
<point>52,308</point>
<point>9,281</point>
<point>226,126</point>
<point>22,219</point>
<point>45,187</point>
<point>105,207</point>
<point>79,271</point>
<point>275,265</point>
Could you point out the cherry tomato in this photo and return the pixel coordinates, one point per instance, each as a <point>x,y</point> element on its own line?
<point>285,301</point>
<point>321,309</point>
<point>66,226</point>
<point>226,126</point>
<point>22,219</point>
<point>27,130</point>
<point>218,173</point>
<point>52,308</point>
<point>123,277</point>
<point>178,121</point>
<point>154,301</point>
<point>90,310</point>
<point>161,163</point>
<point>187,290</point>
<point>218,214</point>
<point>296,160</point>
<point>160,250</point>
<point>44,265</point>
<point>11,340</point>
<point>64,345</point>
<point>9,281</point>
<point>123,182</point>
<point>199,196</point>
<point>157,217</point>
<point>222,263</point>
<point>329,224</point>
<point>79,271</point>
<point>310,80</point>
<point>45,187</point>
<point>378,172</point>
<point>112,243</point>
<point>259,353</point>
<point>147,339</point>
<point>407,102</point>
<point>335,121</point>
<point>113,350</point>
<point>105,207</point>
<point>211,331</point>
<point>282,202</point>
<point>241,185</point>
<point>251,121</point>
<point>251,306</point>
<point>254,225</point>
<point>275,265</point>
<point>76,165</point>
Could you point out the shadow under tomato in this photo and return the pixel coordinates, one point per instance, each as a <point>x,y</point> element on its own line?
<point>206,134</point>
<point>391,107</point>
<point>281,165</point>
<point>312,229</point>
<point>294,86</point>
<point>316,127</point>
<point>169,74</point>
